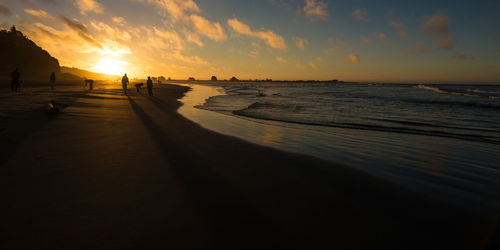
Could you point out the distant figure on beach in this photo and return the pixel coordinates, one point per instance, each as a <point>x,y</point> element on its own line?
<point>138,87</point>
<point>14,86</point>
<point>124,82</point>
<point>90,83</point>
<point>149,84</point>
<point>52,80</point>
<point>52,109</point>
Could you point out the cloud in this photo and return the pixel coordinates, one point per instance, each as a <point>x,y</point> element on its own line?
<point>193,38</point>
<point>355,59</point>
<point>110,32</point>
<point>407,52</point>
<point>4,9</point>
<point>186,11</point>
<point>160,40</point>
<point>177,9</point>
<point>437,26</point>
<point>299,65</point>
<point>211,30</point>
<point>86,6</point>
<point>38,13</point>
<point>460,56</point>
<point>30,3</point>
<point>272,39</point>
<point>81,30</point>
<point>189,59</point>
<point>335,44</point>
<point>381,37</point>
<point>281,60</point>
<point>319,59</point>
<point>446,42</point>
<point>313,65</point>
<point>401,28</point>
<point>422,48</point>
<point>118,20</point>
<point>164,39</point>
<point>316,9</point>
<point>365,40</point>
<point>301,43</point>
<point>361,15</point>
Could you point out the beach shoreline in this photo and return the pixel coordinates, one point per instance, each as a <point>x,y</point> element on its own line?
<point>128,171</point>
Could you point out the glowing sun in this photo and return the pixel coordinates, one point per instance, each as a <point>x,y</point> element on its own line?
<point>110,66</point>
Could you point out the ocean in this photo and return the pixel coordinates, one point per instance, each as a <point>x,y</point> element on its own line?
<point>441,140</point>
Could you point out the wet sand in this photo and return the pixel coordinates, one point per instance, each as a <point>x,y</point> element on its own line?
<point>116,171</point>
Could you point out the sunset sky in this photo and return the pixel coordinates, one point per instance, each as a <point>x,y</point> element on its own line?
<point>392,41</point>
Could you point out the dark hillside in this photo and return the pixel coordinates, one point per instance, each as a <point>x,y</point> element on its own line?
<point>17,50</point>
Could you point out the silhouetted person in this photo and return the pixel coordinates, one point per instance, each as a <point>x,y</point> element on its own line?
<point>124,82</point>
<point>149,84</point>
<point>138,87</point>
<point>14,86</point>
<point>52,80</point>
<point>52,109</point>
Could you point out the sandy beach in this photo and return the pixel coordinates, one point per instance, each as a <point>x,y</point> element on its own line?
<point>116,171</point>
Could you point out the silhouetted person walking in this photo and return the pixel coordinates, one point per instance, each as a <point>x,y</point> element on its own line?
<point>52,80</point>
<point>125,82</point>
<point>149,84</point>
<point>15,80</point>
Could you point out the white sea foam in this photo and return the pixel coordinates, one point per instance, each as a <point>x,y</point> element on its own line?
<point>421,86</point>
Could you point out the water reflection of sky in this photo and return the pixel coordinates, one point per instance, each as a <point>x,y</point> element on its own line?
<point>458,170</point>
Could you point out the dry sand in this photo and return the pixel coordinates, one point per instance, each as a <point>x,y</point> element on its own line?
<point>116,171</point>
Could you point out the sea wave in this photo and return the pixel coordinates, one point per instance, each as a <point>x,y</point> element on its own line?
<point>435,89</point>
<point>492,95</point>
<point>252,111</point>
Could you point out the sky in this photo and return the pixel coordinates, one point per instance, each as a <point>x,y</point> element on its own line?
<point>367,41</point>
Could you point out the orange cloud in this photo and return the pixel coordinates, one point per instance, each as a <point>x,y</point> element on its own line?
<point>361,15</point>
<point>401,28</point>
<point>437,26</point>
<point>211,30</point>
<point>407,52</point>
<point>461,56</point>
<point>355,59</point>
<point>177,9</point>
<point>301,43</point>
<point>81,30</point>
<point>422,48</point>
<point>381,37</point>
<point>38,13</point>
<point>299,65</point>
<point>89,6</point>
<point>365,40</point>
<point>182,11</point>
<point>313,65</point>
<point>446,42</point>
<point>272,39</point>
<point>316,10</point>
<point>193,38</point>
<point>118,20</point>
<point>335,44</point>
<point>281,60</point>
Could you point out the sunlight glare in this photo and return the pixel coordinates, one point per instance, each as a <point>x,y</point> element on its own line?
<point>111,66</point>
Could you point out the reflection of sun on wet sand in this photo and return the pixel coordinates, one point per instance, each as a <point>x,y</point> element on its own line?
<point>127,171</point>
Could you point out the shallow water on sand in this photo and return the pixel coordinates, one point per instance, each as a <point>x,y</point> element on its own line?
<point>455,169</point>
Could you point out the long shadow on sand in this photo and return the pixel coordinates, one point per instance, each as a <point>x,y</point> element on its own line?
<point>231,218</point>
<point>308,203</point>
